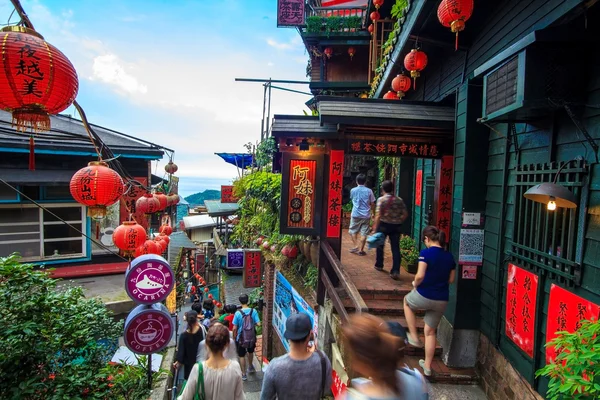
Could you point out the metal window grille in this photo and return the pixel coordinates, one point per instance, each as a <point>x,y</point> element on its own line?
<point>548,240</point>
<point>502,86</point>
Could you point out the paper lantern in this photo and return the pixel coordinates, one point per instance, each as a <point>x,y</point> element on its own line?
<point>96,186</point>
<point>164,245</point>
<point>351,52</point>
<point>375,16</point>
<point>36,79</point>
<point>129,236</point>
<point>164,238</point>
<point>401,84</point>
<point>454,13</point>
<point>147,204</point>
<point>328,52</point>
<point>162,200</point>
<point>371,28</point>
<point>149,247</point>
<point>377,3</point>
<point>390,96</point>
<point>171,168</point>
<point>165,230</point>
<point>205,290</point>
<point>415,62</point>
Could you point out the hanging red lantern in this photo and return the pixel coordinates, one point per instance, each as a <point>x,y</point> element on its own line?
<point>415,62</point>
<point>351,52</point>
<point>214,302</point>
<point>149,247</point>
<point>36,79</point>
<point>375,16</point>
<point>401,84</point>
<point>454,13</point>
<point>162,200</point>
<point>164,245</point>
<point>390,96</point>
<point>205,290</point>
<point>164,238</point>
<point>328,52</point>
<point>160,247</point>
<point>219,304</point>
<point>210,296</point>
<point>377,3</point>
<point>171,168</point>
<point>96,186</point>
<point>165,230</point>
<point>129,236</point>
<point>371,28</point>
<point>147,204</point>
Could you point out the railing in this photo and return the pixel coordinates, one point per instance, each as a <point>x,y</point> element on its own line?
<point>333,276</point>
<point>335,19</point>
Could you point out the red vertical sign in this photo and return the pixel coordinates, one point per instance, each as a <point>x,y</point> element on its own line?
<point>227,194</point>
<point>301,209</point>
<point>565,311</point>
<point>334,204</point>
<point>128,202</point>
<point>521,297</point>
<point>419,187</point>
<point>338,388</point>
<point>252,269</point>
<point>444,198</point>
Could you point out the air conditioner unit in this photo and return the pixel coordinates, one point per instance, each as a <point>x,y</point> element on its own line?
<point>532,83</point>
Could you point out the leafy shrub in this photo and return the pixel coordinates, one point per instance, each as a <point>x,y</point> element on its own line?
<point>312,277</point>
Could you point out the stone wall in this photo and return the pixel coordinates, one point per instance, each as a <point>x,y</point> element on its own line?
<point>499,380</point>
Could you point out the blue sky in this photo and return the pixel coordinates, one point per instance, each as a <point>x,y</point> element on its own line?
<point>164,71</point>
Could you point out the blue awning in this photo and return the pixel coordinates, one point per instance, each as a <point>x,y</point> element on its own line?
<point>240,160</point>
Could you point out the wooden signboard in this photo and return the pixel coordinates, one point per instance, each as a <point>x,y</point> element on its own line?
<point>252,269</point>
<point>290,13</point>
<point>394,148</point>
<point>227,194</point>
<point>521,298</point>
<point>334,202</point>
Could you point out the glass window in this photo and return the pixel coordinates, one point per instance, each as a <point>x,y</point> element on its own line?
<point>104,229</point>
<point>7,194</point>
<point>57,193</point>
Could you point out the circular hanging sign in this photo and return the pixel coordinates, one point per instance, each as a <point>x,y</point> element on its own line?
<point>148,329</point>
<point>149,279</point>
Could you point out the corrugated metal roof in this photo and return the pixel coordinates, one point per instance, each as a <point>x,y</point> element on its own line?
<point>37,177</point>
<point>198,221</point>
<point>298,125</point>
<point>179,240</point>
<point>217,209</point>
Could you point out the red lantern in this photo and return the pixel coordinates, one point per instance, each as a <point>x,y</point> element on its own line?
<point>129,236</point>
<point>162,200</point>
<point>415,62</point>
<point>164,238</point>
<point>171,168</point>
<point>401,84</point>
<point>36,79</point>
<point>162,243</point>
<point>96,186</point>
<point>215,302</point>
<point>454,13</point>
<point>219,304</point>
<point>147,204</point>
<point>375,16</point>
<point>210,296</point>
<point>205,290</point>
<point>351,52</point>
<point>165,230</point>
<point>390,96</point>
<point>377,3</point>
<point>328,52</point>
<point>371,28</point>
<point>149,247</point>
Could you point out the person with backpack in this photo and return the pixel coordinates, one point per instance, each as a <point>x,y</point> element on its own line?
<point>189,340</point>
<point>302,374</point>
<point>245,322</point>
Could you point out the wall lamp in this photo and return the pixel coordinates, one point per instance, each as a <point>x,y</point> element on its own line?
<point>553,194</point>
<point>304,145</point>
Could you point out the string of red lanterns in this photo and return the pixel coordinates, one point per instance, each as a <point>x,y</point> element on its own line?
<point>454,13</point>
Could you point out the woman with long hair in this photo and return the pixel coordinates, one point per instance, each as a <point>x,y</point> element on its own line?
<point>375,353</point>
<point>436,271</point>
<point>218,378</point>
<point>188,343</point>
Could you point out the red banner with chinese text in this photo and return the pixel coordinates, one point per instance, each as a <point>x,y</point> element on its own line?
<point>521,298</point>
<point>418,187</point>
<point>252,269</point>
<point>565,311</point>
<point>227,194</point>
<point>334,205</point>
<point>444,195</point>
<point>301,208</point>
<point>338,388</point>
<point>128,203</point>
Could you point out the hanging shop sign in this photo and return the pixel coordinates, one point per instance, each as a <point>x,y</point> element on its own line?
<point>301,202</point>
<point>444,195</point>
<point>235,258</point>
<point>334,202</point>
<point>397,148</point>
<point>148,329</point>
<point>565,313</point>
<point>149,279</point>
<point>227,194</point>
<point>419,187</point>
<point>290,13</point>
<point>252,268</point>
<point>521,298</point>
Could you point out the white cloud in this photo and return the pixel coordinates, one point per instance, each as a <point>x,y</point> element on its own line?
<point>108,69</point>
<point>278,45</point>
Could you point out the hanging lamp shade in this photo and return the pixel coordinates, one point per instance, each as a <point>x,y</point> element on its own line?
<point>165,230</point>
<point>171,168</point>
<point>147,204</point>
<point>401,84</point>
<point>378,3</point>
<point>552,194</point>
<point>390,95</point>
<point>129,236</point>
<point>96,186</point>
<point>415,62</point>
<point>454,13</point>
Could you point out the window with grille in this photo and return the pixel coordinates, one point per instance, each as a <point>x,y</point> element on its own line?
<point>545,239</point>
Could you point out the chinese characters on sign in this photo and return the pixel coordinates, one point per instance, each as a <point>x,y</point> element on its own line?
<point>302,193</point>
<point>334,205</point>
<point>444,195</point>
<point>521,297</point>
<point>565,311</point>
<point>252,269</point>
<point>128,200</point>
<point>419,187</point>
<point>30,77</point>
<point>227,194</point>
<point>290,13</point>
<point>398,149</point>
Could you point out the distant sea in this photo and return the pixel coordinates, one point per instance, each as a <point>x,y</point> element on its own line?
<point>193,185</point>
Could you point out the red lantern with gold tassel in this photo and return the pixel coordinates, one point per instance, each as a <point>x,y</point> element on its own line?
<point>351,52</point>
<point>96,186</point>
<point>390,96</point>
<point>371,29</point>
<point>147,204</point>
<point>415,62</point>
<point>377,4</point>
<point>375,16</point>
<point>454,13</point>
<point>129,236</point>
<point>165,230</point>
<point>36,80</point>
<point>401,84</point>
<point>328,52</point>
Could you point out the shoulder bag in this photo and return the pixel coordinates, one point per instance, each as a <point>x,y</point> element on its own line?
<point>199,394</point>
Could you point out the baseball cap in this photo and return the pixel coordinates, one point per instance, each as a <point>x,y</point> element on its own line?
<point>297,326</point>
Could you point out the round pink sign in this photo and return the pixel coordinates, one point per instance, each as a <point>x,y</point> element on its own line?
<point>149,279</point>
<point>148,329</point>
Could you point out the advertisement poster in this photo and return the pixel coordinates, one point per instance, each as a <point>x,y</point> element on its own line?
<point>287,302</point>
<point>521,297</point>
<point>565,311</point>
<point>334,207</point>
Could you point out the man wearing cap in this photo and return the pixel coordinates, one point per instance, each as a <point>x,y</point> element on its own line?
<point>302,374</point>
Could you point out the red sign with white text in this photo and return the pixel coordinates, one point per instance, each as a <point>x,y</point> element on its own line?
<point>419,187</point>
<point>227,194</point>
<point>334,205</point>
<point>565,311</point>
<point>128,202</point>
<point>252,269</point>
<point>521,298</point>
<point>338,388</point>
<point>444,195</point>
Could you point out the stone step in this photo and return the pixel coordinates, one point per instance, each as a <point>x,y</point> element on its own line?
<point>444,374</point>
<point>385,294</point>
<point>381,307</point>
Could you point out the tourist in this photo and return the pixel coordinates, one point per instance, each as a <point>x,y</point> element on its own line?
<point>228,314</point>
<point>435,273</point>
<point>189,340</point>
<point>208,312</point>
<point>302,374</point>
<point>230,351</point>
<point>245,322</point>
<point>363,200</point>
<point>375,353</point>
<point>220,377</point>
<point>390,213</point>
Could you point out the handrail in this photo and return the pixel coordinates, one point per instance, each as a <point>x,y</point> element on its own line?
<point>357,300</point>
<point>335,298</point>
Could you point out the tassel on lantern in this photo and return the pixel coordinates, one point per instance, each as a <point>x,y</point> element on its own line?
<point>97,230</point>
<point>31,153</point>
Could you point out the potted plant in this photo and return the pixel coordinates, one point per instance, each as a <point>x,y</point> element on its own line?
<point>409,253</point>
<point>346,212</point>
